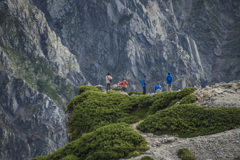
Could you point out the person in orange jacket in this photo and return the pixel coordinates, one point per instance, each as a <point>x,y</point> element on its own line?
<point>124,84</point>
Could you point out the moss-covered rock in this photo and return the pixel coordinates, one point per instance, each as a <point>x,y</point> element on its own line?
<point>191,120</point>
<point>185,154</point>
<point>109,142</point>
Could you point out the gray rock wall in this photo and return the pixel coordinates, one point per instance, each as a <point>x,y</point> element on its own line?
<point>127,39</point>
<point>31,124</point>
<point>48,48</point>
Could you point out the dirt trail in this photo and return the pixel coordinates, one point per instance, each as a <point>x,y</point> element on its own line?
<point>220,146</point>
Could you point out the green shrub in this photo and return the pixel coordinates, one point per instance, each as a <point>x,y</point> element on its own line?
<point>167,99</point>
<point>188,99</point>
<point>80,98</point>
<point>96,109</point>
<point>134,92</point>
<point>69,157</point>
<point>109,142</point>
<point>184,92</point>
<point>147,158</point>
<point>185,154</point>
<point>113,92</point>
<point>190,120</point>
<point>87,88</point>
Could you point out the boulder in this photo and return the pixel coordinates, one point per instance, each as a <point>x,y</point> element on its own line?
<point>124,93</point>
<point>116,87</point>
<point>100,87</point>
<point>158,91</point>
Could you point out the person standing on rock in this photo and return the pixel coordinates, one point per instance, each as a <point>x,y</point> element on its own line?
<point>169,82</point>
<point>144,84</point>
<point>158,88</point>
<point>124,84</point>
<point>108,81</point>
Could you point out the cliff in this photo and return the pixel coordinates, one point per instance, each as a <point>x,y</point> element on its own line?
<point>50,48</point>
<point>31,123</point>
<point>194,40</point>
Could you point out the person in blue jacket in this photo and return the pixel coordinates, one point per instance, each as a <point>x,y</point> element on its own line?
<point>169,82</point>
<point>158,87</point>
<point>144,84</point>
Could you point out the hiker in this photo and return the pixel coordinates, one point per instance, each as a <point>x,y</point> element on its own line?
<point>144,84</point>
<point>108,81</point>
<point>169,82</point>
<point>124,84</point>
<point>158,88</point>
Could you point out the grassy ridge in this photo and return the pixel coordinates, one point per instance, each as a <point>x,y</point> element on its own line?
<point>190,120</point>
<point>100,122</point>
<point>108,142</point>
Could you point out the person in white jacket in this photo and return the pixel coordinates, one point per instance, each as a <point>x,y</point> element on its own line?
<point>108,81</point>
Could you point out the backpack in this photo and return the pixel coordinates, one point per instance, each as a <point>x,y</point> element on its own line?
<point>125,85</point>
<point>110,80</point>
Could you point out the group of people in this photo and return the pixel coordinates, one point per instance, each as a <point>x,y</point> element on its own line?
<point>158,88</point>
<point>124,83</point>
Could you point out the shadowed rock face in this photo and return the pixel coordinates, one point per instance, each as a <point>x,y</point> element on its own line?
<point>31,123</point>
<point>133,38</point>
<point>49,48</point>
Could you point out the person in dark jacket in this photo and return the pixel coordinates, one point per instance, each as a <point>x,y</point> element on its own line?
<point>169,82</point>
<point>158,88</point>
<point>144,84</point>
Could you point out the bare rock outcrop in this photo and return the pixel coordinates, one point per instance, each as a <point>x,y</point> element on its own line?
<point>219,95</point>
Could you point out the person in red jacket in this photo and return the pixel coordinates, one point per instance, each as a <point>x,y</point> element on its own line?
<point>124,84</point>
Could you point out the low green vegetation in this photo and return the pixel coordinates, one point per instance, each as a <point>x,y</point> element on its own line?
<point>168,99</point>
<point>188,99</point>
<point>94,109</point>
<point>113,92</point>
<point>69,157</point>
<point>134,93</point>
<point>185,154</point>
<point>147,158</point>
<point>190,120</point>
<point>100,122</point>
<point>109,142</point>
<point>87,88</point>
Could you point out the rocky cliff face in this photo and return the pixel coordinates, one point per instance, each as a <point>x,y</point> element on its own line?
<point>194,40</point>
<point>53,46</point>
<point>39,76</point>
<point>31,123</point>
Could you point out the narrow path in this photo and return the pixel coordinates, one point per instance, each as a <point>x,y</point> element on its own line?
<point>220,146</point>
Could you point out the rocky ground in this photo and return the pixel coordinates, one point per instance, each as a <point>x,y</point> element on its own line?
<point>220,146</point>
